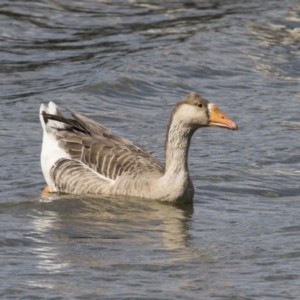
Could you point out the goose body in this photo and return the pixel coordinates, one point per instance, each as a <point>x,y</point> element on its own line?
<point>80,156</point>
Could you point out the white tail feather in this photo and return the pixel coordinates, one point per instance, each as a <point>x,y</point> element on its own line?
<point>51,152</point>
<point>53,110</point>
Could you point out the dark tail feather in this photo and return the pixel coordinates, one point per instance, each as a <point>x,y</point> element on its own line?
<point>72,125</point>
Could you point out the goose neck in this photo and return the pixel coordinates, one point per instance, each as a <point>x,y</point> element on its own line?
<point>177,147</point>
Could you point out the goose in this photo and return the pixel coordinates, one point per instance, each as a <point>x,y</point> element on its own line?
<point>81,156</point>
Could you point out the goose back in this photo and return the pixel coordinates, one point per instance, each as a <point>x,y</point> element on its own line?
<point>97,148</point>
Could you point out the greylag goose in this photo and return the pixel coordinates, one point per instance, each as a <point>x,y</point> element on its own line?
<point>80,156</point>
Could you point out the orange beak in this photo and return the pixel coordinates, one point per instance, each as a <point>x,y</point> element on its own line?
<point>218,119</point>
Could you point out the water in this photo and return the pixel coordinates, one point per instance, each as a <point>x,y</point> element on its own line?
<point>125,64</point>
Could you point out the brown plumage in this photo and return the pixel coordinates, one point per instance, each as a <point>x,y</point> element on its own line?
<point>88,158</point>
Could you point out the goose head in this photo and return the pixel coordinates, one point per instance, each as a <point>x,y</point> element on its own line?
<point>195,112</point>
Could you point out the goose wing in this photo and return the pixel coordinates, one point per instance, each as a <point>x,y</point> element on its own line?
<point>95,146</point>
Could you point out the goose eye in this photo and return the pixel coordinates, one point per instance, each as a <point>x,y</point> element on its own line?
<point>199,105</point>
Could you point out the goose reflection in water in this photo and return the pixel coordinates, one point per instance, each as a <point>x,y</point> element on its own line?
<point>94,219</point>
